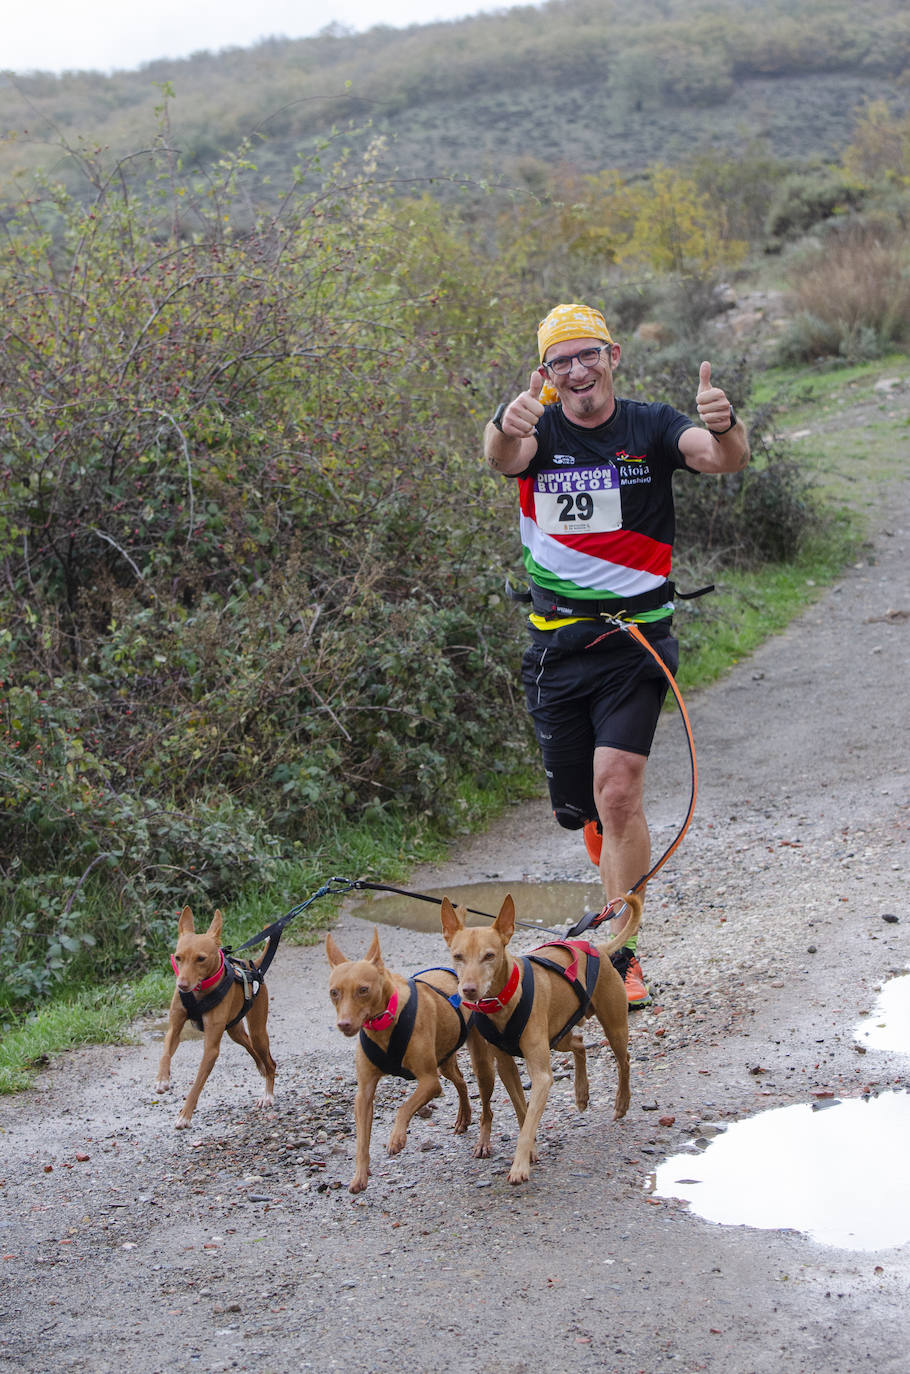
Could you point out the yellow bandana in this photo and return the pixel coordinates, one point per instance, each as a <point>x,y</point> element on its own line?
<point>568,322</point>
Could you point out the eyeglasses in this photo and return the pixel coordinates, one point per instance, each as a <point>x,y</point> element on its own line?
<point>588,357</point>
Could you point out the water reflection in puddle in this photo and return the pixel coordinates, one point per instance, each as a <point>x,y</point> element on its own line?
<point>794,1168</point>
<point>536,904</point>
<point>791,1168</point>
<point>888,1028</point>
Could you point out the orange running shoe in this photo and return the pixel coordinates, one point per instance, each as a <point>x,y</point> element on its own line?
<point>629,970</point>
<point>593,841</point>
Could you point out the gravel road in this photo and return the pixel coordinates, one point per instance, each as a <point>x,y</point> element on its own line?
<point>129,1246</point>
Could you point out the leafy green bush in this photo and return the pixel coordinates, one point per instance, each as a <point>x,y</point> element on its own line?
<point>250,566</point>
<point>745,519</point>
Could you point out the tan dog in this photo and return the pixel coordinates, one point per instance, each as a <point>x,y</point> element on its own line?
<point>378,1006</point>
<point>495,984</point>
<point>204,976</point>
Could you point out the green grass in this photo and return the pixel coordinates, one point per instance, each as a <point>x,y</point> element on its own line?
<point>99,1016</point>
<point>853,455</point>
<point>747,608</point>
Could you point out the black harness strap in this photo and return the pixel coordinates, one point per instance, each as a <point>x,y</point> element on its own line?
<point>391,1059</point>
<point>507,1039</point>
<point>271,933</point>
<point>584,992</point>
<point>196,1007</point>
<point>252,977</point>
<point>235,971</point>
<point>464,1021</point>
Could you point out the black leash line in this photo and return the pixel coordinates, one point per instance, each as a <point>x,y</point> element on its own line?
<point>424,897</point>
<point>341,886</point>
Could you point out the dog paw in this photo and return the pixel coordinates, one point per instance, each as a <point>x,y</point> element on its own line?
<point>396,1144</point>
<point>182,1122</point>
<point>358,1183</point>
<point>462,1124</point>
<point>482,1150</point>
<point>266,1100</point>
<point>163,1085</point>
<point>519,1174</point>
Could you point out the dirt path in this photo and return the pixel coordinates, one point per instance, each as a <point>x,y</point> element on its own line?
<point>235,1245</point>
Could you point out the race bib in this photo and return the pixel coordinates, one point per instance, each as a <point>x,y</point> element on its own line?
<point>578,501</point>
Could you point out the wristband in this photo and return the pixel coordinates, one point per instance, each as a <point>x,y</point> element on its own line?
<point>718,432</point>
<point>497,417</point>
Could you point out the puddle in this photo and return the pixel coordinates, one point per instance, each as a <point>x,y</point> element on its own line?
<point>888,1027</point>
<point>536,904</point>
<point>795,1168</point>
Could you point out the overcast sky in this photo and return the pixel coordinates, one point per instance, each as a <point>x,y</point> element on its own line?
<point>108,35</point>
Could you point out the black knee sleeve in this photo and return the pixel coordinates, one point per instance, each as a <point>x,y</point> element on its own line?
<point>570,817</point>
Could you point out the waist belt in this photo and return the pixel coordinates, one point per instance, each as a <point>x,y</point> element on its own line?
<point>554,607</point>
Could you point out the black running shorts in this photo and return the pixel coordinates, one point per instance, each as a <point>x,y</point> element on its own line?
<point>609,694</point>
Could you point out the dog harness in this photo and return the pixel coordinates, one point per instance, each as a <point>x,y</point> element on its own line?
<point>217,987</point>
<point>508,1038</point>
<point>391,1059</point>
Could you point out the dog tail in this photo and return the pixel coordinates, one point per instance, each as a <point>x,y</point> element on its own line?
<point>635,903</point>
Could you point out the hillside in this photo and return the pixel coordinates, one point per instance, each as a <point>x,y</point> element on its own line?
<point>585,83</point>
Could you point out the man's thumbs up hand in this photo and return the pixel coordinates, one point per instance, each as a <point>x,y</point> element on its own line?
<point>521,416</point>
<point>713,405</point>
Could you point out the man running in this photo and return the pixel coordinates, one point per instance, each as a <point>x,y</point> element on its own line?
<point>594,473</point>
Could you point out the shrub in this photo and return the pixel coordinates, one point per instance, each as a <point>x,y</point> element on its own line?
<point>250,575</point>
<point>745,519</point>
<point>806,199</point>
<point>850,293</point>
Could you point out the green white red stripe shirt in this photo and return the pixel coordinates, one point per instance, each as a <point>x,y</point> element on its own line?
<point>597,515</point>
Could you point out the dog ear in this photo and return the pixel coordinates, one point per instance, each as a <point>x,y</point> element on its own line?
<point>505,921</point>
<point>373,953</point>
<point>214,929</point>
<point>333,953</point>
<point>185,924</point>
<point>451,921</point>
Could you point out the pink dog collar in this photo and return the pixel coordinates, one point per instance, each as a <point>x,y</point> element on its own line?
<point>388,1016</point>
<point>206,982</point>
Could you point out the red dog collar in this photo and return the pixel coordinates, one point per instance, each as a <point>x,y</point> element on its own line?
<point>206,982</point>
<point>488,1006</point>
<point>388,1016</point>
